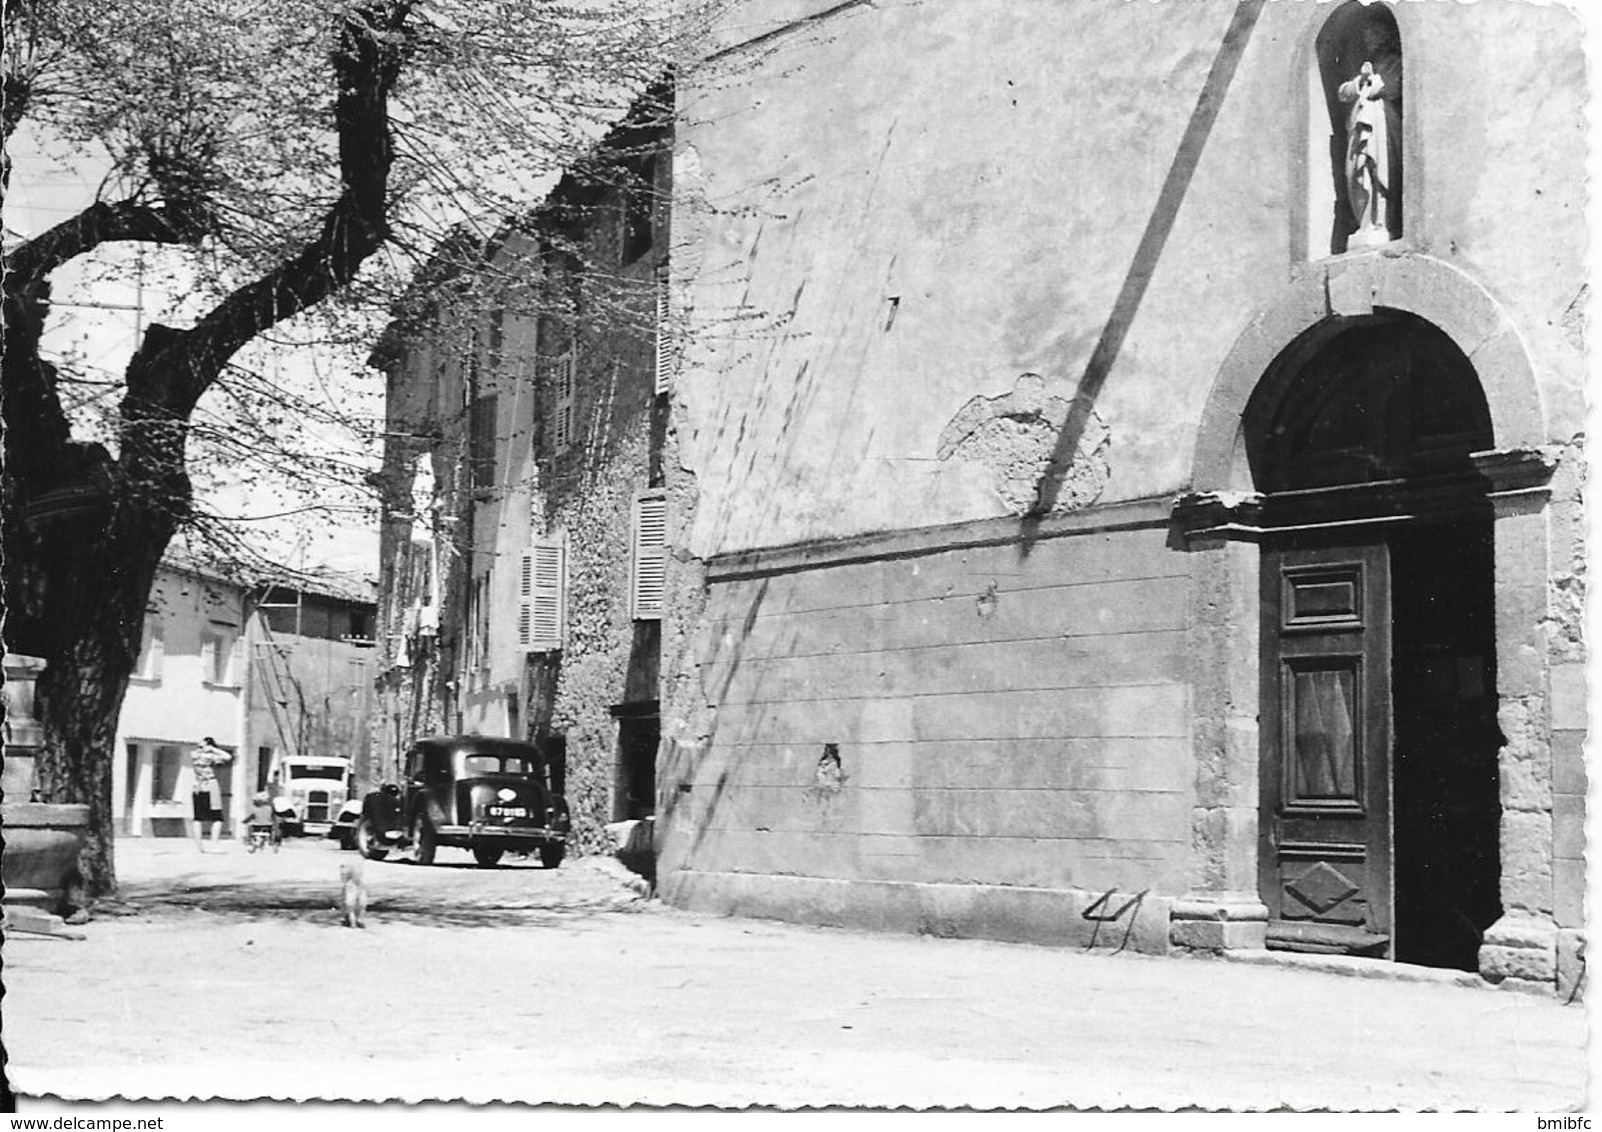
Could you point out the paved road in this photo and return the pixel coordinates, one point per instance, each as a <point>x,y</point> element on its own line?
<point>229,975</point>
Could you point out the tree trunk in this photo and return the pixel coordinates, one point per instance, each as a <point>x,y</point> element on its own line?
<point>95,616</point>
<point>85,532</point>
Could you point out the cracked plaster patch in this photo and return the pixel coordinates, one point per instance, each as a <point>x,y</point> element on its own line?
<point>1015,435</point>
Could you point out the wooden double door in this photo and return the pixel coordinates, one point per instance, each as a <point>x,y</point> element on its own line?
<point>1379,784</point>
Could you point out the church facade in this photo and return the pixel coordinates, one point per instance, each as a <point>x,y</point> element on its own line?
<point>1131,462</point>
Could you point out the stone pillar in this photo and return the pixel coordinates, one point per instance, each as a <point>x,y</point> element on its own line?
<point>1521,947</point>
<point>1223,909</point>
<point>40,864</point>
<point>23,734</point>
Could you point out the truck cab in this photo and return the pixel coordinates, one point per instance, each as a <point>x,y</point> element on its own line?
<point>314,787</point>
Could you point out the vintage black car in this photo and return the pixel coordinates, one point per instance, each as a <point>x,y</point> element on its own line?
<point>487,795</point>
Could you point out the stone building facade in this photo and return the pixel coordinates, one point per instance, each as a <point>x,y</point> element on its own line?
<point>1130,465</point>
<point>525,487</point>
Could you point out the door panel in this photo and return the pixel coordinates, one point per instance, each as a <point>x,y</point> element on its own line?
<point>1326,728</point>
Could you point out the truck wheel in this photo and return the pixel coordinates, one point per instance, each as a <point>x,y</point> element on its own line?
<point>423,839</point>
<point>487,856</point>
<point>551,854</point>
<point>368,843</point>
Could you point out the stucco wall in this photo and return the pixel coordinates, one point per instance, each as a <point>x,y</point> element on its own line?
<point>918,245</point>
<point>892,211</point>
<point>309,695</point>
<point>181,705</point>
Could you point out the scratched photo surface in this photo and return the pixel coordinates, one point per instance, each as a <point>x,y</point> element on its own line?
<point>1013,554</point>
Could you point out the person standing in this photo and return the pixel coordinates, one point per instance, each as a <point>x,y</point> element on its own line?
<point>207,794</point>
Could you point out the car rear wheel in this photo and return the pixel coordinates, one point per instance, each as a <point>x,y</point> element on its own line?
<point>487,856</point>
<point>367,841</point>
<point>423,839</point>
<point>551,854</point>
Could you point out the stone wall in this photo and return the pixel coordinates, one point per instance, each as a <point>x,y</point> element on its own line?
<point>1012,716</point>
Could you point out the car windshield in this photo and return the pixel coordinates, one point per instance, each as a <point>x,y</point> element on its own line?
<point>333,772</point>
<point>496,764</point>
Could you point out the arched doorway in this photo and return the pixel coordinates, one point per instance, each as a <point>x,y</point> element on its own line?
<point>1379,804</point>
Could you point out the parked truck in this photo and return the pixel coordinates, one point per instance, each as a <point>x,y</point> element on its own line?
<point>313,789</point>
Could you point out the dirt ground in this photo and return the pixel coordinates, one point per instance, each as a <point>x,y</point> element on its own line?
<point>230,975</point>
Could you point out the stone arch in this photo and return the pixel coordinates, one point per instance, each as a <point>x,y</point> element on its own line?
<point>1218,523</point>
<point>1420,285</point>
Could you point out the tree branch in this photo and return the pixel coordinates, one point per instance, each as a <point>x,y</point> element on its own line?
<point>373,44</point>
<point>103,222</point>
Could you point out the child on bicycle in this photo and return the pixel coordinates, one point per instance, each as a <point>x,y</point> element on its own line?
<point>263,822</point>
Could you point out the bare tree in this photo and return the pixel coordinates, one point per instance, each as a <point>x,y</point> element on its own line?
<point>296,154</point>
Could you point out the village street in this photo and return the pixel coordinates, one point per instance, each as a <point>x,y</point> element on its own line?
<point>230,975</point>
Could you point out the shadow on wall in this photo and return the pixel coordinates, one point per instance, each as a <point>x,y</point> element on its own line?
<point>684,775</point>
<point>1147,254</point>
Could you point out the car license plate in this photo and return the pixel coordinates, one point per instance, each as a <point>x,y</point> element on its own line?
<point>507,811</point>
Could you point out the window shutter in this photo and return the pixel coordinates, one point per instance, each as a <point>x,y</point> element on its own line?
<point>542,597</point>
<point>650,558</point>
<point>665,346</point>
<point>481,441</point>
<point>562,414</point>
<point>150,651</point>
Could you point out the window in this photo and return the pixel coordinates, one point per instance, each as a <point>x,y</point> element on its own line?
<point>639,195</point>
<point>478,623</point>
<point>666,348</point>
<point>217,655</point>
<point>497,764</point>
<point>649,567</point>
<point>164,777</point>
<point>152,648</point>
<point>300,772</point>
<point>542,596</point>
<point>562,403</point>
<point>481,442</point>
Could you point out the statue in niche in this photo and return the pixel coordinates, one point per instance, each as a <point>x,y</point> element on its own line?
<point>1373,174</point>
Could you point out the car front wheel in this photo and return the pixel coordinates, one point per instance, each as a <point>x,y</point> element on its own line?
<point>487,856</point>
<point>551,854</point>
<point>368,843</point>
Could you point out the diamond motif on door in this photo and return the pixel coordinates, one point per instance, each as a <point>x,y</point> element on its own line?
<point>1321,888</point>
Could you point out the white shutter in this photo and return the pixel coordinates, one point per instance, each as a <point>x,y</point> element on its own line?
<point>650,558</point>
<point>542,597</point>
<point>562,412</point>
<point>665,359</point>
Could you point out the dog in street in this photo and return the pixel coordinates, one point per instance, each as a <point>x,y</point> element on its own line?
<point>352,892</point>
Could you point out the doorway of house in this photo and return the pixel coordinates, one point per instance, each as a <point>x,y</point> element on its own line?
<point>1380,804</point>
<point>636,768</point>
<point>1446,805</point>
